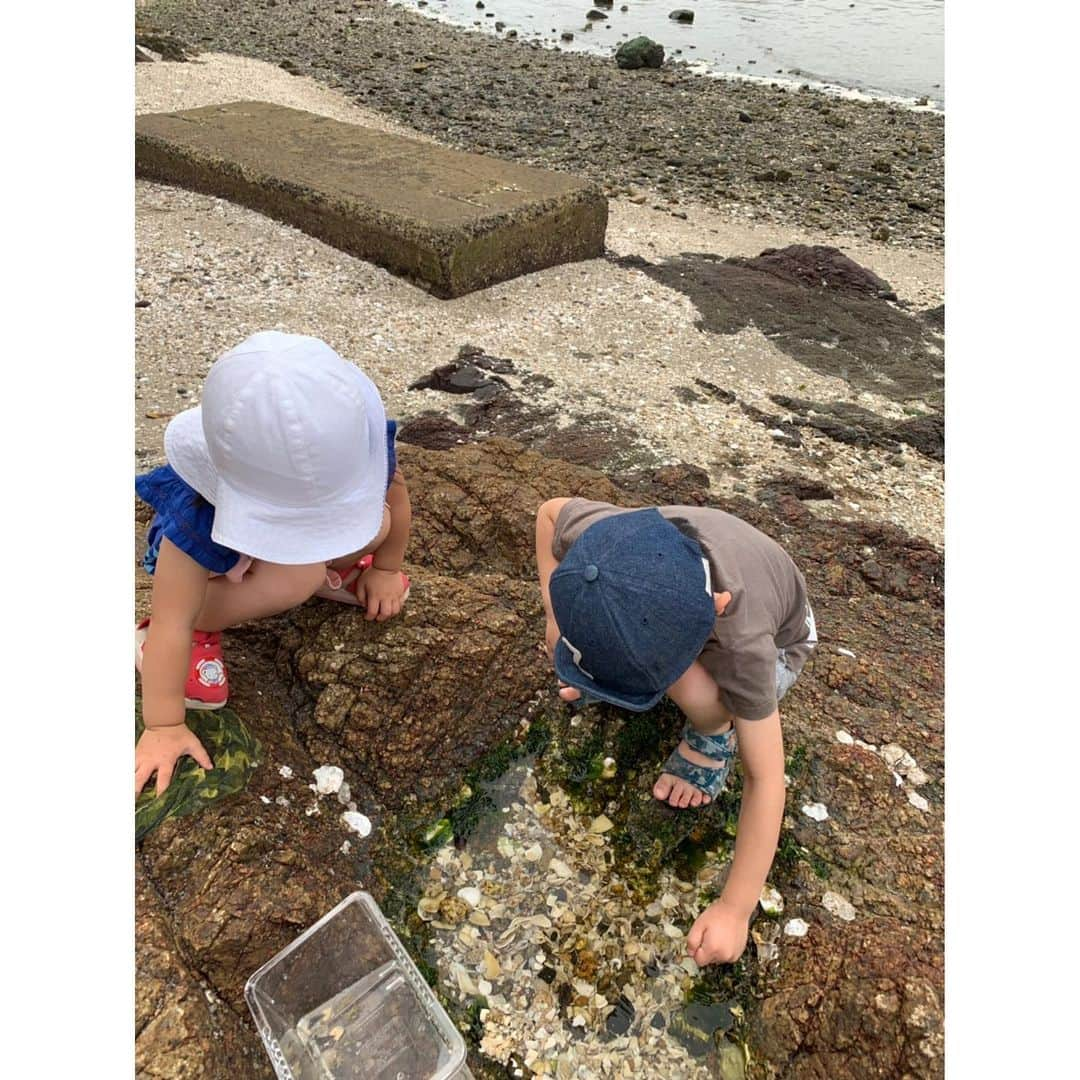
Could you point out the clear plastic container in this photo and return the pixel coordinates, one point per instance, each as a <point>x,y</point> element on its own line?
<point>345,1002</point>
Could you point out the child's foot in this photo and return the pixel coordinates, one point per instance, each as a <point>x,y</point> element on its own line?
<point>207,684</point>
<point>697,770</point>
<point>342,587</point>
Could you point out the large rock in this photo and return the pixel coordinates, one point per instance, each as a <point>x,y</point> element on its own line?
<point>407,706</point>
<point>639,52</point>
<point>447,220</point>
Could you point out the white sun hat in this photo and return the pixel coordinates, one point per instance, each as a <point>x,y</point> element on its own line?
<point>289,445</point>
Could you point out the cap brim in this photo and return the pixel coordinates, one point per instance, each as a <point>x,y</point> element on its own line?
<point>569,673</point>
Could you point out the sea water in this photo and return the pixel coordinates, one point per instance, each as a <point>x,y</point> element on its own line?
<point>375,1029</point>
<point>885,48</point>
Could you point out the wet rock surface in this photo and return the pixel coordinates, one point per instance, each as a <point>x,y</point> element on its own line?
<point>818,306</point>
<point>785,154</point>
<point>407,708</point>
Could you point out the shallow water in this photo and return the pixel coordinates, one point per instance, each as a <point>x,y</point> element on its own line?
<point>890,48</point>
<point>570,974</point>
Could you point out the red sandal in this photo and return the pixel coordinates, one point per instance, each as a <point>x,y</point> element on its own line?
<point>207,684</point>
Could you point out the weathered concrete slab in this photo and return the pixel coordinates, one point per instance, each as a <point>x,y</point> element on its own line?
<point>447,220</point>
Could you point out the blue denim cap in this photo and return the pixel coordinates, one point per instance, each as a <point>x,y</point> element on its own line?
<point>634,604</point>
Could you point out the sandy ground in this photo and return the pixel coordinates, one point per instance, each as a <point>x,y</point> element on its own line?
<point>606,335</point>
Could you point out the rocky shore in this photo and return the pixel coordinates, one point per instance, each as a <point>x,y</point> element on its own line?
<point>666,137</point>
<point>731,354</point>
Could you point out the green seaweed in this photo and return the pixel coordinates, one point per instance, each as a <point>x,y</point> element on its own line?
<point>234,751</point>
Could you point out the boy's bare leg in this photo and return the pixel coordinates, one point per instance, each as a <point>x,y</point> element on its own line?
<point>698,696</point>
<point>267,589</point>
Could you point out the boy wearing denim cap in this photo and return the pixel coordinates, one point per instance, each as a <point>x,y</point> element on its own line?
<point>694,603</point>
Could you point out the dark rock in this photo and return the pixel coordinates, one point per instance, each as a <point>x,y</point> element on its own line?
<point>166,46</point>
<point>745,117</point>
<point>457,377</point>
<point>881,233</point>
<point>935,316</point>
<point>715,391</point>
<point>683,15</point>
<point>143,56</point>
<point>290,67</point>
<point>142,303</point>
<point>595,16</point>
<point>594,82</point>
<point>819,307</point>
<point>500,26</point>
<point>567,35</point>
<point>639,52</point>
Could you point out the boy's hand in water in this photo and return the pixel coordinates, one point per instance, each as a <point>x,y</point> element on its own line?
<point>158,750</point>
<point>718,936</point>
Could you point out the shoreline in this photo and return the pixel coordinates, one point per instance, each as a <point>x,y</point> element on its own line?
<point>757,151</point>
<point>702,67</point>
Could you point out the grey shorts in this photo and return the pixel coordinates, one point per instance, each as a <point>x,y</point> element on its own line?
<point>785,676</point>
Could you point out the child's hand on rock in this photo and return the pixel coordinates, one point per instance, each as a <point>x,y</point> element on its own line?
<point>158,750</point>
<point>718,936</point>
<point>381,592</point>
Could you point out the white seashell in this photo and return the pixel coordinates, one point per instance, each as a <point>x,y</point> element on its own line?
<point>795,928</point>
<point>328,779</point>
<point>600,824</point>
<point>772,903</point>
<point>286,772</point>
<point>838,906</point>
<point>767,952</point>
<point>845,737</point>
<point>559,868</point>
<point>917,801</point>
<point>346,847</point>
<point>817,811</point>
<point>471,895</point>
<point>265,799</point>
<point>916,777</point>
<point>845,652</point>
<point>357,822</point>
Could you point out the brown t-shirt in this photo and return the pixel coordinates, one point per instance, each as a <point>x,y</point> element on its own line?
<point>768,609</point>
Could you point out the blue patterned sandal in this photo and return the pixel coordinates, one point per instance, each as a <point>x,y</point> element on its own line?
<point>721,748</point>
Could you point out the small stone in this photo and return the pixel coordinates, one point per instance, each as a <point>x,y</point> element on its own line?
<point>328,779</point>
<point>265,799</point>
<point>601,824</point>
<point>917,801</point>
<point>795,928</point>
<point>357,822</point>
<point>534,853</point>
<point>471,895</point>
<point>838,906</point>
<point>559,868</point>
<point>745,117</point>
<point>595,16</point>
<point>345,848</point>
<point>683,15</point>
<point>845,737</point>
<point>492,968</point>
<point>772,903</point>
<point>881,233</point>
<point>286,772</point>
<point>817,811</point>
<point>916,777</point>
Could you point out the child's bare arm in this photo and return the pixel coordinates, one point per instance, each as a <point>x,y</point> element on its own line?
<point>380,586</point>
<point>390,554</point>
<point>546,563</point>
<point>179,589</point>
<point>719,934</point>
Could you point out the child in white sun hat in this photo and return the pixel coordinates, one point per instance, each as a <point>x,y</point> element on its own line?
<point>282,485</point>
